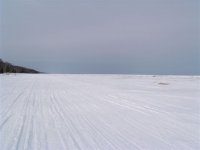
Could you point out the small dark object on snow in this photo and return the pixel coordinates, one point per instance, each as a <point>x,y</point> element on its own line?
<point>162,83</point>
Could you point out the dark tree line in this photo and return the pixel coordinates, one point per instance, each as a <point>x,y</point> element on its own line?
<point>6,67</point>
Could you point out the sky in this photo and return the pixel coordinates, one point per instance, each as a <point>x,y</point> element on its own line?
<point>102,36</point>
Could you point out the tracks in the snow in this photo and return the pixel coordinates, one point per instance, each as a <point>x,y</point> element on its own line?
<point>75,112</point>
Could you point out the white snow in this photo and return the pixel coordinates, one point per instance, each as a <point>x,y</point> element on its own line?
<point>99,112</point>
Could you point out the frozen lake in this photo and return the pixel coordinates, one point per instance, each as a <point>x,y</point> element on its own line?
<point>99,112</point>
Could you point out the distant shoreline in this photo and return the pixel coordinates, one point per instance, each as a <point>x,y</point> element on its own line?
<point>6,67</point>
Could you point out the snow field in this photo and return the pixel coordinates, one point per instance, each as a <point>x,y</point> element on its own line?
<point>99,112</point>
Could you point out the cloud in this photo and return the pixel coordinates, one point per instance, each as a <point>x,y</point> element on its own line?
<point>133,35</point>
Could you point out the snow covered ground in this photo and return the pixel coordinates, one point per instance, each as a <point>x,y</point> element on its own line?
<point>99,112</point>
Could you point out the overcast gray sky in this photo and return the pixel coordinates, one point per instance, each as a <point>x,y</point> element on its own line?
<point>102,36</point>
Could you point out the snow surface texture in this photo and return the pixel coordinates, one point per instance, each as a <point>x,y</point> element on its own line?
<point>99,112</point>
